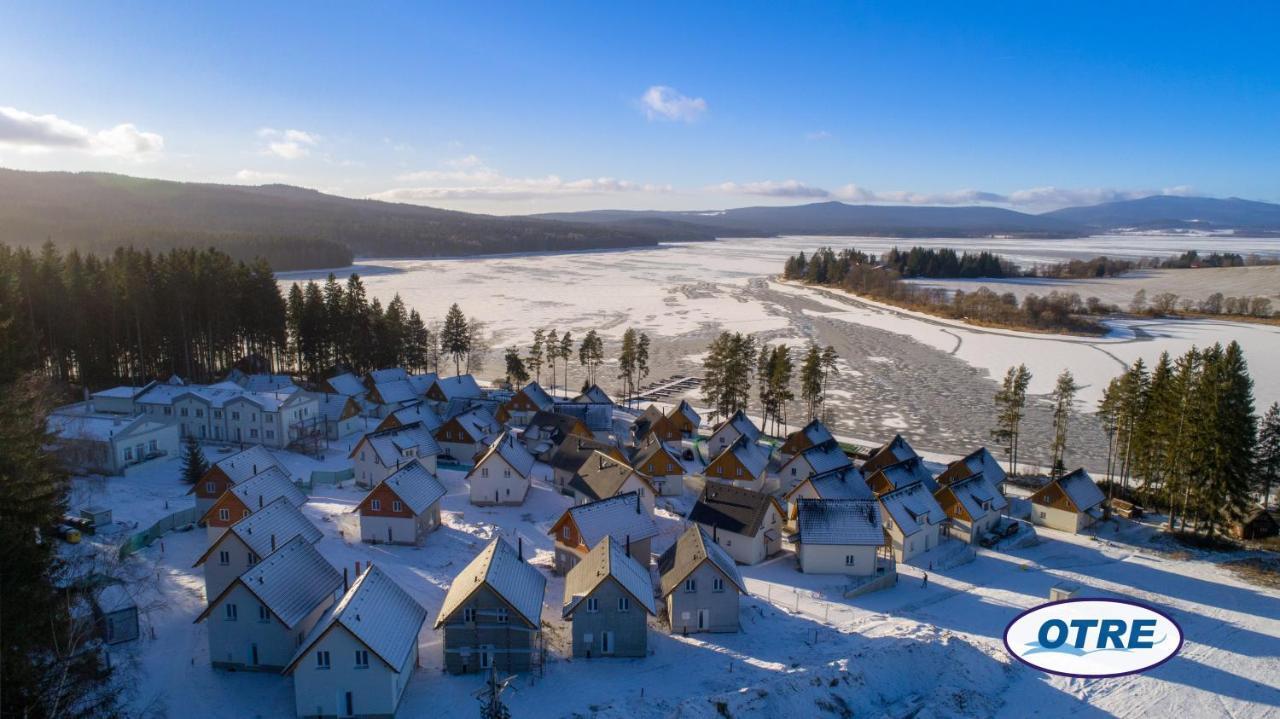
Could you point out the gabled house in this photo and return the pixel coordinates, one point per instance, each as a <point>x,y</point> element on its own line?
<point>593,395</point>
<point>845,484</point>
<point>679,424</point>
<point>230,471</point>
<point>417,411</point>
<point>468,433</point>
<point>447,389</point>
<point>503,473</point>
<point>403,508</point>
<point>597,417</point>
<point>892,452</point>
<point>814,434</point>
<point>342,416</point>
<point>85,439</point>
<point>839,536</point>
<point>261,381</point>
<point>904,473</point>
<point>246,542</point>
<point>345,384</point>
<point>662,465</point>
<point>602,477</point>
<point>546,429</point>
<point>1069,503</point>
<point>643,425</point>
<point>492,614</point>
<point>728,432</point>
<point>257,622</point>
<point>742,463</point>
<point>567,457</point>
<point>390,395</point>
<point>974,506</point>
<point>524,404</point>
<point>381,452</point>
<point>360,656</point>
<point>247,497</point>
<point>608,598</point>
<point>1257,523</point>
<point>388,374</point>
<point>584,526</point>
<point>913,520</point>
<point>700,585</point>
<point>978,461</point>
<point>746,523</point>
<point>814,461</point>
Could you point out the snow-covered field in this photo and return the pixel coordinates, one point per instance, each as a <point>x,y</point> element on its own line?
<point>804,650</point>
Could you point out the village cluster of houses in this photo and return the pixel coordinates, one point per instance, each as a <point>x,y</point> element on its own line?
<point>349,638</point>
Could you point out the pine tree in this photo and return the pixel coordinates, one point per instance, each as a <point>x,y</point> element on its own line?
<point>1064,395</point>
<point>551,348</point>
<point>642,357</point>
<point>194,465</point>
<point>516,372</point>
<point>811,380</point>
<point>535,356</point>
<point>727,370</point>
<point>1268,465</point>
<point>830,368</point>
<point>564,353</point>
<point>455,340</point>
<point>627,363</point>
<point>1007,414</point>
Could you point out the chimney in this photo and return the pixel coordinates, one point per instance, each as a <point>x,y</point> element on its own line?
<point>273,542</point>
<point>637,504</point>
<point>259,501</point>
<point>255,469</point>
<point>715,533</point>
<point>628,545</point>
<point>357,567</point>
<point>520,547</point>
<point>345,584</point>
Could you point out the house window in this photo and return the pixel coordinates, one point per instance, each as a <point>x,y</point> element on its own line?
<point>502,615</point>
<point>362,659</point>
<point>217,414</point>
<point>888,523</point>
<point>183,412</point>
<point>624,604</point>
<point>396,506</point>
<point>128,453</point>
<point>199,412</point>
<point>593,605</point>
<point>484,471</point>
<point>793,471</point>
<point>235,416</point>
<point>1042,515</point>
<point>362,455</point>
<point>738,471</point>
<point>849,560</point>
<point>567,533</point>
<point>322,660</point>
<point>264,614</point>
<point>168,411</point>
<point>253,433</point>
<point>690,585</point>
<point>468,614</point>
<point>230,612</point>
<point>506,474</point>
<point>151,446</point>
<point>717,585</point>
<point>251,558</point>
<point>271,434</point>
<point>376,505</point>
<point>224,558</point>
<point>224,514</point>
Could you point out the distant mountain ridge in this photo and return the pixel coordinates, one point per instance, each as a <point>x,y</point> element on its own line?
<point>1169,212</point>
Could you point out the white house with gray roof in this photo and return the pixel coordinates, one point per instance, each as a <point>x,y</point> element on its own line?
<point>746,523</point>
<point>359,658</point>
<point>913,520</point>
<point>1069,503</point>
<point>974,506</point>
<point>247,541</point>
<point>700,585</point>
<point>584,526</point>
<point>608,598</point>
<point>728,432</point>
<point>88,440</point>
<point>815,461</point>
<point>492,614</point>
<point>257,622</point>
<point>403,508</point>
<point>380,453</point>
<point>845,484</point>
<point>839,536</point>
<point>502,475</point>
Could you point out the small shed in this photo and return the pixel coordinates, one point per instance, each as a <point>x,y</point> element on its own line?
<point>1257,524</point>
<point>116,614</point>
<point>100,516</point>
<point>1063,590</point>
<point>1125,508</point>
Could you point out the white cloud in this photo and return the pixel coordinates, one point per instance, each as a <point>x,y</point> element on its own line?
<point>1055,197</point>
<point>770,188</point>
<point>854,193</point>
<point>41,133</point>
<point>818,135</point>
<point>470,179</point>
<point>288,144</point>
<point>258,177</point>
<point>1033,199</point>
<point>666,103</point>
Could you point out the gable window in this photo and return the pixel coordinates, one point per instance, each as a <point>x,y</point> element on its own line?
<point>593,605</point>
<point>690,585</point>
<point>230,612</point>
<point>506,473</point>
<point>362,659</point>
<point>183,411</point>
<point>199,412</point>
<point>502,615</point>
<point>224,514</point>
<point>264,614</point>
<point>849,560</point>
<point>151,446</point>
<point>235,416</point>
<point>224,558</point>
<point>738,471</point>
<point>624,604</point>
<point>168,411</point>
<point>717,585</point>
<point>252,558</point>
<point>217,414</point>
<point>468,614</point>
<point>376,505</point>
<point>484,471</point>
<point>396,506</point>
<point>567,533</point>
<point>322,659</point>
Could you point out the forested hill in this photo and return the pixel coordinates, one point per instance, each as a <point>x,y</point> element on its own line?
<point>292,228</point>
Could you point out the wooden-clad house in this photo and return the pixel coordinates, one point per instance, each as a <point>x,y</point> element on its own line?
<point>446,389</point>
<point>467,434</point>
<point>728,432</point>
<point>492,614</point>
<point>602,477</point>
<point>417,411</point>
<point>746,523</point>
<point>546,429</point>
<point>583,526</point>
<point>608,598</point>
<point>743,463</point>
<point>229,471</point>
<point>593,395</point>
<point>901,474</point>
<point>1069,503</point>
<point>249,496</point>
<point>246,542</point>
<point>892,452</point>
<point>524,404</point>
<point>700,585</point>
<point>662,465</point>
<point>567,457</point>
<point>257,622</point>
<point>814,434</point>
<point>977,461</point>
<point>1258,523</point>
<point>846,484</point>
<point>974,506</point>
<point>403,508</point>
<point>502,476</point>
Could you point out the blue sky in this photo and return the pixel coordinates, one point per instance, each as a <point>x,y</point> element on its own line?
<point>513,108</point>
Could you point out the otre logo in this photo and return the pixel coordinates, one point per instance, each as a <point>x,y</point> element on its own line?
<point>1093,637</point>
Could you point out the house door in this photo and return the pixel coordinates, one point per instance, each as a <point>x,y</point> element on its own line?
<point>704,619</point>
<point>137,452</point>
<point>349,705</point>
<point>388,535</point>
<point>253,655</point>
<point>486,657</point>
<point>237,434</point>
<point>606,642</point>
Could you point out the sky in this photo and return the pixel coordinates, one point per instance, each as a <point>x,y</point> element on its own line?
<point>513,108</point>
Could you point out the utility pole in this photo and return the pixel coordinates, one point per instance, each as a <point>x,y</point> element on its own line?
<point>491,706</point>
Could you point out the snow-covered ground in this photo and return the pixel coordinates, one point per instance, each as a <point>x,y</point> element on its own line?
<point>803,651</point>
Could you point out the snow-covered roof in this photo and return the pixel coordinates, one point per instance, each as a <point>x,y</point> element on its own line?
<point>732,509</point>
<point>346,384</point>
<point>840,522</point>
<point>267,529</point>
<point>753,458</point>
<point>505,572</point>
<point>291,582</point>
<point>512,451</point>
<point>333,406</point>
<point>892,452</point>
<point>911,507</point>
<point>842,485</point>
<point>422,382</point>
<point>1079,487</point>
<point>379,613</point>
<point>390,444</point>
<point>78,422</point>
<point>817,433</point>
<point>538,396</point>
<point>262,382</point>
<point>980,460</point>
<point>388,374</point>
<point>823,458</point>
<point>479,423</point>
<point>463,385</point>
<point>597,417</point>
<point>742,424</point>
<point>975,492</point>
<point>688,552</point>
<point>266,487</point>
<point>415,485</point>
<point>608,559</point>
<point>219,395</point>
<point>601,476</point>
<point>593,395</point>
<point>902,474</point>
<point>418,412</point>
<point>114,598</point>
<point>121,392</point>
<point>246,463</point>
<point>689,413</point>
<point>621,516</point>
<point>573,451</point>
<point>395,391</point>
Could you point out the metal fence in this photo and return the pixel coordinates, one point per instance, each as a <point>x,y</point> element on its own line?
<point>328,478</point>
<point>180,518</point>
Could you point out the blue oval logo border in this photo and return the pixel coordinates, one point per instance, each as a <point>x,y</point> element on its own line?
<point>1182,637</point>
